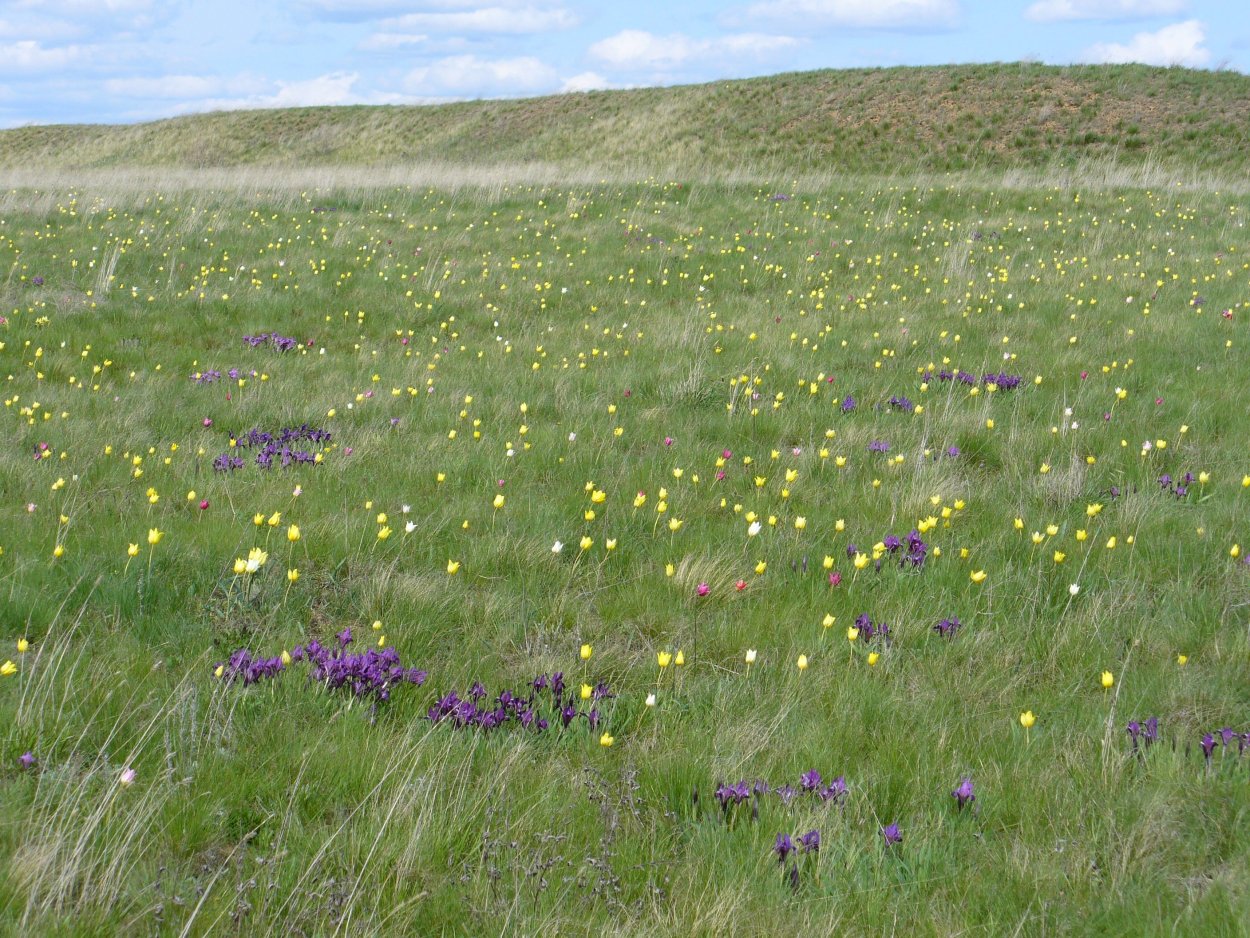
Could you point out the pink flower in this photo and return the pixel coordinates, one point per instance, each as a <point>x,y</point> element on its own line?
<point>668,441</point>
<point>703,589</point>
<point>742,584</point>
<point>208,421</point>
<point>204,505</point>
<point>127,778</point>
<point>835,578</point>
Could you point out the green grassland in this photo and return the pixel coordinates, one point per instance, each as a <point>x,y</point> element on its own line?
<point>855,120</point>
<point>673,355</point>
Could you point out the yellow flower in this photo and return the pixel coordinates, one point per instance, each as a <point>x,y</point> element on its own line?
<point>586,542</point>
<point>498,502</point>
<point>610,544</point>
<point>240,565</point>
<point>852,633</point>
<point>1108,679</point>
<point>680,659</point>
<point>1235,551</point>
<point>663,658</point>
<point>761,566</point>
<point>873,658</point>
<point>154,536</point>
<point>669,569</point>
<point>586,651</point>
<point>23,646</point>
<point>802,662</point>
<point>828,620</point>
<point>1182,659</point>
<point>384,533</point>
<point>861,561</point>
<point>219,670</point>
<point>58,551</point>
<point>800,523</point>
<point>750,656</point>
<point>1092,511</point>
<point>977,576</point>
<point>292,575</point>
<point>132,550</point>
<point>1060,556</point>
<point>258,519</point>
<point>292,533</point>
<point>606,740</point>
<point>598,496</point>
<point>1027,719</point>
<point>1038,537</point>
<point>673,524</point>
<point>275,519</point>
<point>453,567</point>
<point>827,563</point>
<point>587,690</point>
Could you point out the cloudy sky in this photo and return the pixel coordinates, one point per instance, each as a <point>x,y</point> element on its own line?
<point>120,61</point>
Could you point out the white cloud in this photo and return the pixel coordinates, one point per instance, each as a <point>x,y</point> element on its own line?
<point>1178,44</point>
<point>637,49</point>
<point>335,88</point>
<point>585,81</point>
<point>385,42</point>
<point>183,86</point>
<point>1049,11</point>
<point>87,7</point>
<point>861,14</point>
<point>493,19</point>
<point>29,55</point>
<point>466,75</point>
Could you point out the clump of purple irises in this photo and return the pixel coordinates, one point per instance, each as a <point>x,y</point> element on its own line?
<point>1001,380</point>
<point>543,704</point>
<point>370,675</point>
<point>910,550</point>
<point>284,447</point>
<point>731,795</point>
<point>245,668</point>
<point>948,627</point>
<point>1224,737</point>
<point>1176,487</point>
<point>280,343</point>
<point>900,403</point>
<point>869,630</point>
<point>784,846</point>
<point>1143,734</point>
<point>212,375</point>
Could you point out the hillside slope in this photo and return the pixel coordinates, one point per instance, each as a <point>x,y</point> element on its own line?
<point>934,118</point>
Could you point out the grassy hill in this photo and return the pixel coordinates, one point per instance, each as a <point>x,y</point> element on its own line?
<point>934,118</point>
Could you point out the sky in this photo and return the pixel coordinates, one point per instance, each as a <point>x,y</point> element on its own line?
<point>125,61</point>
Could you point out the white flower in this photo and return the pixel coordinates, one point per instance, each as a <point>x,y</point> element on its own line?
<point>572,437</point>
<point>754,529</point>
<point>405,509</point>
<point>650,700</point>
<point>1073,589</point>
<point>557,547</point>
<point>410,527</point>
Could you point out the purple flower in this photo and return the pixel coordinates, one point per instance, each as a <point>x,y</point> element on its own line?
<point>810,842</point>
<point>963,794</point>
<point>892,835</point>
<point>1208,745</point>
<point>26,760</point>
<point>783,847</point>
<point>835,791</point>
<point>810,781</point>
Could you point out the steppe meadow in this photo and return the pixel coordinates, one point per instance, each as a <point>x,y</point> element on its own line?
<point>654,557</point>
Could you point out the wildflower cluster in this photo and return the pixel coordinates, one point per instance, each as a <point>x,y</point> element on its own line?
<point>280,446</point>
<point>542,705</point>
<point>279,343</point>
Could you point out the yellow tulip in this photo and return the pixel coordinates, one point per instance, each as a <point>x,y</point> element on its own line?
<point>1027,719</point>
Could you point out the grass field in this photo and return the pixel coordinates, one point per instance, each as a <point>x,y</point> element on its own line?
<point>682,442</point>
<point>884,120</point>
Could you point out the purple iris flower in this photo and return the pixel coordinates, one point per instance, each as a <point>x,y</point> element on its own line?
<point>892,835</point>
<point>810,781</point>
<point>783,847</point>
<point>810,842</point>
<point>963,794</point>
<point>26,760</point>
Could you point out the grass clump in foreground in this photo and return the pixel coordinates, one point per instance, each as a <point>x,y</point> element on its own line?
<point>629,558</point>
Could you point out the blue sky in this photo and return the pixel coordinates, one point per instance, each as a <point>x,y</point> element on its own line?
<point>121,61</point>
